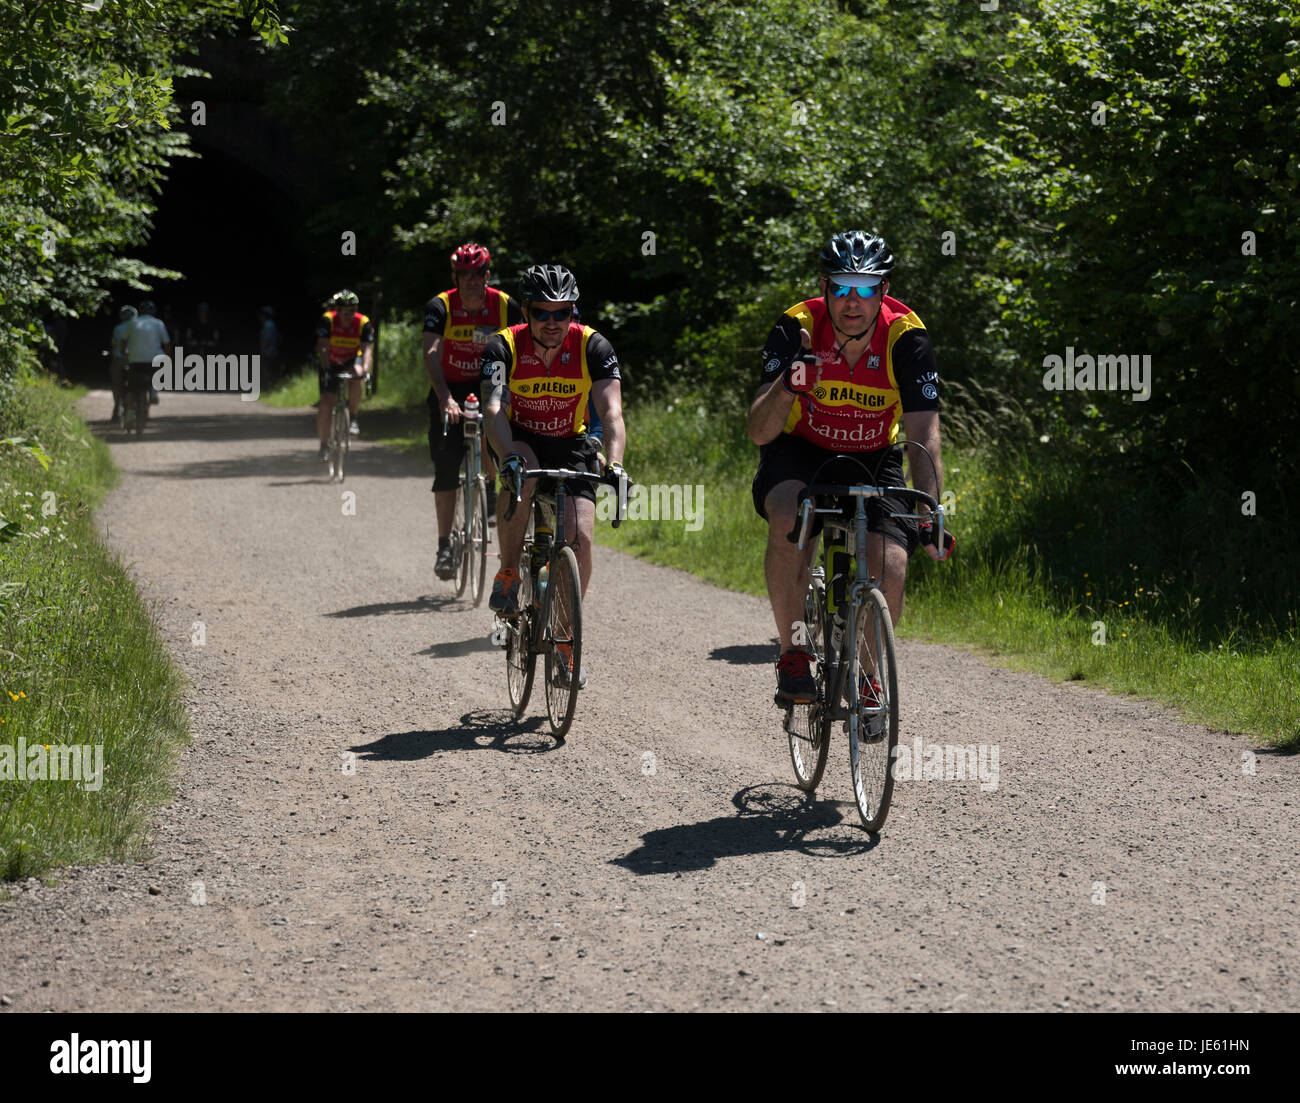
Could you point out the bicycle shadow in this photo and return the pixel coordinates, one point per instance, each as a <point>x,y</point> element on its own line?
<point>425,604</point>
<point>479,730</point>
<point>457,649</point>
<point>770,818</point>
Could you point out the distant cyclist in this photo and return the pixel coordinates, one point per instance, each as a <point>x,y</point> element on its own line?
<point>537,379</point>
<point>117,360</point>
<point>345,341</point>
<point>457,325</point>
<point>840,373</point>
<point>144,338</point>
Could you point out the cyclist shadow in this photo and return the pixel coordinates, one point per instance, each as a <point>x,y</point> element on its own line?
<point>423,604</point>
<point>479,730</point>
<point>747,654</point>
<point>770,818</point>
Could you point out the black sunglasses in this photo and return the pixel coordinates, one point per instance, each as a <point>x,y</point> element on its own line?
<point>551,315</point>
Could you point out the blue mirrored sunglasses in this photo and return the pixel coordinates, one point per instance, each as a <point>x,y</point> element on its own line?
<point>841,290</point>
<point>551,315</point>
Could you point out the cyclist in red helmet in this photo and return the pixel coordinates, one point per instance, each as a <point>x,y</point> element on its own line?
<point>457,324</point>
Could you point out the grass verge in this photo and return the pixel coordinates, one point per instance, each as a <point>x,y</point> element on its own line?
<point>82,663</point>
<point>1135,628</point>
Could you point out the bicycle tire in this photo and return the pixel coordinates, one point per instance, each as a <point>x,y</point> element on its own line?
<point>521,659</point>
<point>459,541</point>
<point>871,757</point>
<point>476,553</point>
<point>564,626</point>
<point>808,731</point>
<point>336,442</point>
<point>141,411</point>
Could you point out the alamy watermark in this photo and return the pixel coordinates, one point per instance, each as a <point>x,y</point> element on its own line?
<point>947,762</point>
<point>656,502</point>
<point>180,372</point>
<point>79,762</point>
<point>1103,373</point>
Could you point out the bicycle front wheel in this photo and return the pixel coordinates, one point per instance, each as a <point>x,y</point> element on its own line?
<point>564,640</point>
<point>338,439</point>
<point>807,727</point>
<point>459,541</point>
<point>872,708</point>
<point>521,659</point>
<point>476,552</point>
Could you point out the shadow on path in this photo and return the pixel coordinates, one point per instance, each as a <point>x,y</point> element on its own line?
<point>480,730</point>
<point>769,818</point>
<point>747,654</point>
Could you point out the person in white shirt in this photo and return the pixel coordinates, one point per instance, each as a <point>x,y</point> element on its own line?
<point>145,338</point>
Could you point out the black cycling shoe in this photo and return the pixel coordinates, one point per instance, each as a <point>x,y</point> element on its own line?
<point>794,681</point>
<point>444,566</point>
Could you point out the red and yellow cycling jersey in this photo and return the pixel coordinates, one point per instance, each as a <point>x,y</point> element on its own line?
<point>465,332</point>
<point>551,402</point>
<point>853,407</point>
<point>345,338</point>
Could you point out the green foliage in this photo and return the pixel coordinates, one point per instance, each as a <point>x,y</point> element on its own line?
<point>85,138</point>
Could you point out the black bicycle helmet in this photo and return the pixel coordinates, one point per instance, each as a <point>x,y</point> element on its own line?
<point>549,283</point>
<point>857,253</point>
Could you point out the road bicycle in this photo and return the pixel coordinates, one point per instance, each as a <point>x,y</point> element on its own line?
<point>337,381</point>
<point>469,535</point>
<point>550,601</point>
<point>851,639</point>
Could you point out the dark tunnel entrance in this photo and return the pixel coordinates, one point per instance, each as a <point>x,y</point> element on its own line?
<point>237,238</point>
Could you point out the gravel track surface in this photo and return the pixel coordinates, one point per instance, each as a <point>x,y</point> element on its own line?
<point>661,858</point>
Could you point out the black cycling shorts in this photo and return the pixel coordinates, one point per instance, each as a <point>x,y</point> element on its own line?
<point>324,383</point>
<point>446,449</point>
<point>789,457</point>
<point>572,452</point>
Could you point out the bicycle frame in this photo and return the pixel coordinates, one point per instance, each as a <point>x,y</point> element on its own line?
<point>471,453</point>
<point>838,664</point>
<point>548,518</point>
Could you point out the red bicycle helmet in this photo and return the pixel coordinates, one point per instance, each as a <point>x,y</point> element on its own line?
<point>470,258</point>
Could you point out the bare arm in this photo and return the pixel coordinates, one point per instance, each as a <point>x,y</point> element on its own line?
<point>495,422</point>
<point>323,352</point>
<point>607,394</point>
<point>767,416</point>
<point>433,366</point>
<point>922,428</point>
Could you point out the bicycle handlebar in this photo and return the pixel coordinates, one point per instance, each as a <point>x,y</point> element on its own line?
<point>807,505</point>
<point>562,473</point>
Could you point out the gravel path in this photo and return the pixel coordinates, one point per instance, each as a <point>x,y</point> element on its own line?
<point>659,859</point>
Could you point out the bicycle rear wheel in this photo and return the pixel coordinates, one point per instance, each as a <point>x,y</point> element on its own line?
<point>564,642</point>
<point>459,540</point>
<point>476,553</point>
<point>141,411</point>
<point>521,659</point>
<point>873,717</point>
<point>807,727</point>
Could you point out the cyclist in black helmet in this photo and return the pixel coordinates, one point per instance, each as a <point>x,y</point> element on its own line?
<point>841,372</point>
<point>537,378</point>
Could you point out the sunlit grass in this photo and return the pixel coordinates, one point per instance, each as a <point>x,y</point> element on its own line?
<point>81,660</point>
